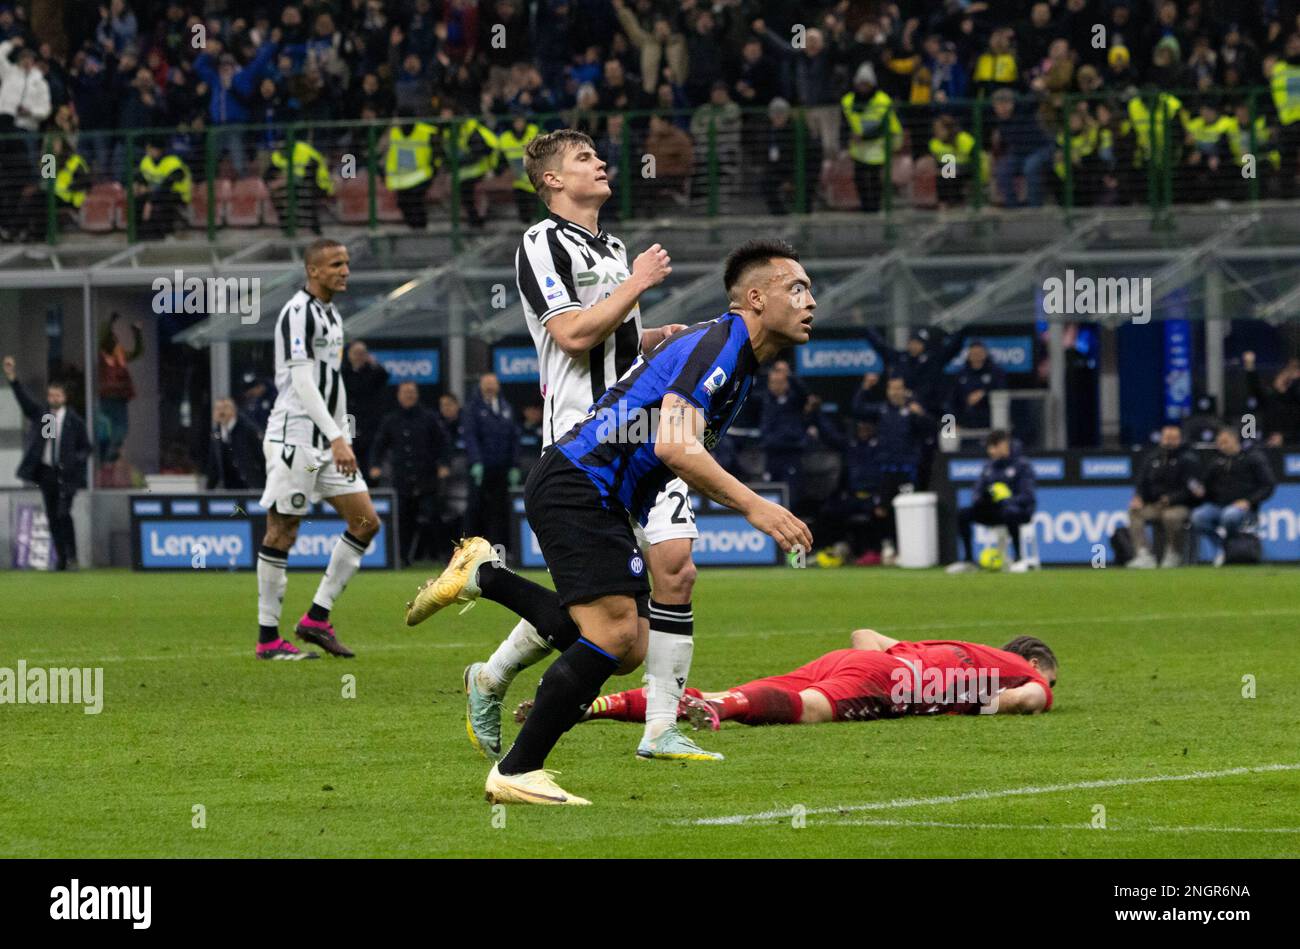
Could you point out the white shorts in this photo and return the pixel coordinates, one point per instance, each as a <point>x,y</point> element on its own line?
<point>297,477</point>
<point>670,518</point>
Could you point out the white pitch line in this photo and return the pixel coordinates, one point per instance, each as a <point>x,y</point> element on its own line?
<point>957,825</point>
<point>47,658</point>
<point>985,795</point>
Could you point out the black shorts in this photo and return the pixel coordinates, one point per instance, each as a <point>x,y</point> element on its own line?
<point>588,541</point>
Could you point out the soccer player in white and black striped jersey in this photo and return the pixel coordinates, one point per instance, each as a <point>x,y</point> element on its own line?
<point>581,304</point>
<point>309,457</point>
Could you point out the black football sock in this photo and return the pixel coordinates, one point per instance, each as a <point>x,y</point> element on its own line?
<point>267,634</point>
<point>567,688</point>
<point>530,601</point>
<point>318,613</point>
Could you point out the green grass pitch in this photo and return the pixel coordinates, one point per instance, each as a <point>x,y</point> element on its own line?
<point>1151,687</point>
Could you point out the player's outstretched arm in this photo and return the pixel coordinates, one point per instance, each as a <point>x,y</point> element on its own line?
<point>576,331</point>
<point>871,641</point>
<point>678,446</point>
<point>1027,699</point>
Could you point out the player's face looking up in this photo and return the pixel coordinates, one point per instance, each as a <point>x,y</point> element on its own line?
<point>781,295</point>
<point>580,175</point>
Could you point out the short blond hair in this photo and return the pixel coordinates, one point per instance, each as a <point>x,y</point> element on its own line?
<point>545,152</point>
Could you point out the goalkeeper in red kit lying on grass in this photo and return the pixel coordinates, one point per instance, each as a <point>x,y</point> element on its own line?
<point>878,677</point>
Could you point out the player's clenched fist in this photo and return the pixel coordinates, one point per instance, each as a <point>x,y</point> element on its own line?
<point>344,460</point>
<point>652,266</point>
<point>782,526</point>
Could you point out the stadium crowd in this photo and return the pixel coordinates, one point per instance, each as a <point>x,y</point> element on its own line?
<point>1092,84</point>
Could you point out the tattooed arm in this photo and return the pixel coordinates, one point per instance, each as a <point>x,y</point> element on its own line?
<point>678,446</point>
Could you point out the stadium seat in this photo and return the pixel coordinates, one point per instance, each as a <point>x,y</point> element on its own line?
<point>386,209</point>
<point>352,200</point>
<point>199,203</point>
<point>925,192</point>
<point>249,204</point>
<point>841,193</point>
<point>99,210</point>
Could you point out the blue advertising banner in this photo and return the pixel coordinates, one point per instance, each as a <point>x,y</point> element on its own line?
<point>1113,468</point>
<point>220,532</point>
<point>968,469</point>
<point>1070,521</point>
<point>1011,353</point>
<point>838,357</point>
<point>175,544</point>
<point>1178,357</point>
<point>515,363</point>
<point>421,366</point>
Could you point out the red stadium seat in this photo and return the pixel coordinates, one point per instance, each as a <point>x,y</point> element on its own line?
<point>841,193</point>
<point>386,208</point>
<point>352,200</point>
<point>199,202</point>
<point>249,202</point>
<point>925,193</point>
<point>99,210</point>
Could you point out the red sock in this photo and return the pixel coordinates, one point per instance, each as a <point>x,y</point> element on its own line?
<point>626,706</point>
<point>765,705</point>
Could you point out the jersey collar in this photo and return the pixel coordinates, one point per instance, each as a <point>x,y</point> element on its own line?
<point>602,238</point>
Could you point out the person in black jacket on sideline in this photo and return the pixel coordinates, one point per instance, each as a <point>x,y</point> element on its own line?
<point>1004,496</point>
<point>413,441</point>
<point>236,461</point>
<point>1236,484</point>
<point>1164,495</point>
<point>54,457</point>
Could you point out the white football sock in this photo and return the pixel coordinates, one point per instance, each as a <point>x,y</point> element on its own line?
<point>271,582</point>
<point>521,649</point>
<point>345,561</point>
<point>667,663</point>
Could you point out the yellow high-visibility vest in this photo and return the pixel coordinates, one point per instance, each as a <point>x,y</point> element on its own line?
<point>303,156</point>
<point>63,180</point>
<point>1205,135</point>
<point>1263,139</point>
<point>482,166</point>
<point>1141,117</point>
<point>1081,146</point>
<point>872,120</point>
<point>409,161</point>
<point>1284,83</point>
<point>156,172</point>
<point>512,147</point>
<point>996,67</point>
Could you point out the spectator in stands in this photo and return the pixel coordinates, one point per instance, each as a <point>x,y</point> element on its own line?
<point>412,442</point>
<point>412,150</point>
<point>969,401</point>
<point>366,382</point>
<point>1236,483</point>
<point>235,458</point>
<point>673,155</point>
<point>1163,496</point>
<point>953,150</point>
<point>491,434</point>
<point>116,390</point>
<point>117,25</point>
<point>1213,166</point>
<point>780,161</point>
<point>902,429</point>
<point>1278,403</point>
<point>54,457</point>
<point>996,68</point>
<point>230,89</point>
<point>1003,496</point>
<point>1076,164</point>
<point>24,105</point>
<point>658,43</point>
<point>809,79</point>
<point>1021,149</point>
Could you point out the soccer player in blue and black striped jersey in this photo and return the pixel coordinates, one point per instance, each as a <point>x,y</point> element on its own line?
<point>657,422</point>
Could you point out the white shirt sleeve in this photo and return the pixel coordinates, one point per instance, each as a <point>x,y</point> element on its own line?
<point>312,401</point>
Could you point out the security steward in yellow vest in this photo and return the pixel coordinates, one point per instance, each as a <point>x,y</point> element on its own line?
<point>410,164</point>
<point>872,120</point>
<point>1084,162</point>
<point>161,188</point>
<point>1147,111</point>
<point>511,144</point>
<point>1284,83</point>
<point>476,154</point>
<point>1213,159</point>
<point>953,151</point>
<point>311,184</point>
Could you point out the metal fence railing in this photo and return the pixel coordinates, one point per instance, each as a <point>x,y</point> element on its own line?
<point>1152,149</point>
